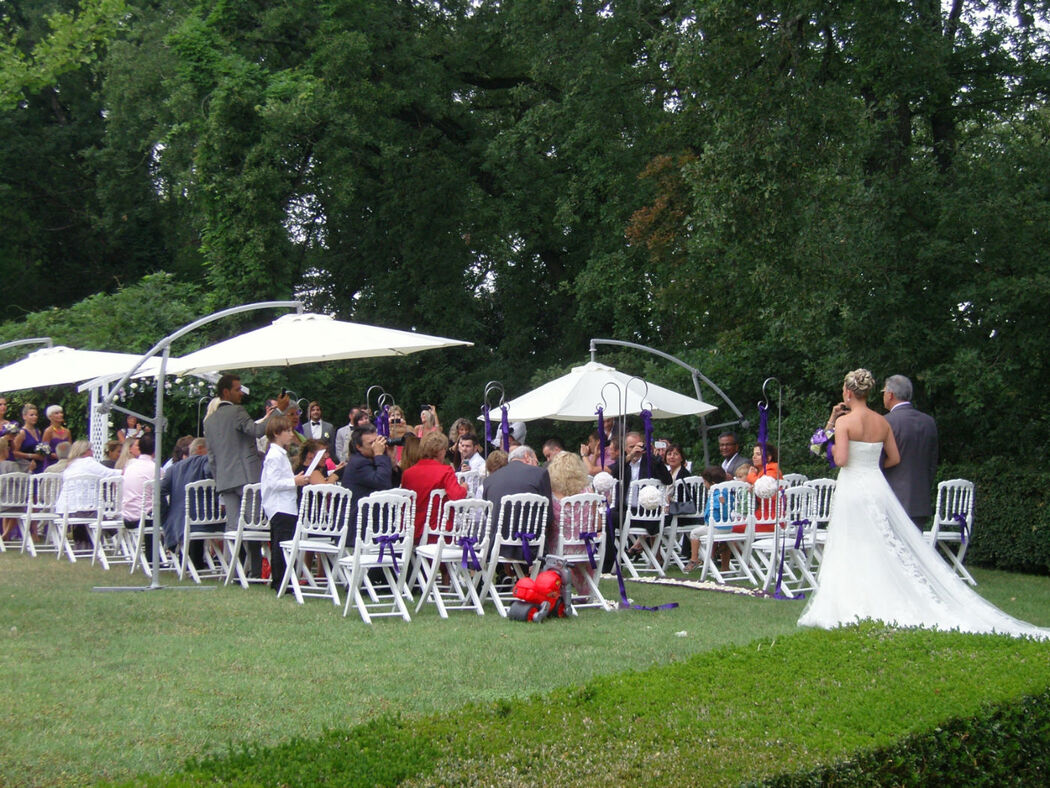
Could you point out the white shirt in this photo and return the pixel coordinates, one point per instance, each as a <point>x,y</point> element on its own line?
<point>278,483</point>
<point>316,430</point>
<point>477,462</point>
<point>136,473</point>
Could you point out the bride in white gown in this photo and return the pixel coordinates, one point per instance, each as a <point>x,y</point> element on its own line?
<point>876,563</point>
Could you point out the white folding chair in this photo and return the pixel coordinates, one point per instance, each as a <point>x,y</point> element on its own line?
<point>14,496</point>
<point>795,479</point>
<point>461,547</point>
<point>797,542</point>
<point>769,532</point>
<point>581,545</point>
<point>321,530</point>
<point>386,524</point>
<point>825,494</point>
<point>252,526</point>
<point>732,525</point>
<point>138,538</point>
<point>471,480</point>
<point>691,489</point>
<point>642,524</point>
<point>518,541</point>
<point>44,490</point>
<point>952,527</point>
<point>110,541</point>
<point>435,510</point>
<point>205,521</point>
<point>80,501</point>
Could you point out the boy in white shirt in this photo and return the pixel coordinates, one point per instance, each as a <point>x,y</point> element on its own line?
<point>279,499</point>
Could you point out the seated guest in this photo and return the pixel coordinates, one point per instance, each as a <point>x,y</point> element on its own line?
<point>429,474</point>
<point>62,453</point>
<point>674,459</point>
<point>81,498</point>
<point>713,510</point>
<point>496,460</point>
<point>470,458</point>
<point>367,471</point>
<point>137,472</point>
<point>320,474</point>
<point>522,474</point>
<point>111,452</point>
<point>591,454</point>
<point>765,508</point>
<point>7,465</point>
<point>180,452</point>
<point>279,485</point>
<point>551,447</point>
<point>635,464</point>
<point>568,475</point>
<point>173,495</point>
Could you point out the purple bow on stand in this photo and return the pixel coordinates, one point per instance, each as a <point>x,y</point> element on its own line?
<point>601,437</point>
<point>383,422</point>
<point>505,424</point>
<point>763,429</point>
<point>625,603</point>
<point>489,437</point>
<point>647,425</point>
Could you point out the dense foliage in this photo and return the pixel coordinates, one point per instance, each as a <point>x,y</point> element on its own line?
<point>775,188</point>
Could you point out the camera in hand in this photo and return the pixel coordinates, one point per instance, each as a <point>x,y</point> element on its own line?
<point>396,441</point>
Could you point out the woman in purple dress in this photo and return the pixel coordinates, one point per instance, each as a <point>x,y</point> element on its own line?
<point>25,451</point>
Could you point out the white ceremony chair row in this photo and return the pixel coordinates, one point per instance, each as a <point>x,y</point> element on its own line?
<point>952,528</point>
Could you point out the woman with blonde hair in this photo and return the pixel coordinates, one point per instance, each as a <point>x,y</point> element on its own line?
<point>569,476</point>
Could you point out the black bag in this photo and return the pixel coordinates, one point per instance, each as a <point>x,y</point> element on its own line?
<point>682,508</point>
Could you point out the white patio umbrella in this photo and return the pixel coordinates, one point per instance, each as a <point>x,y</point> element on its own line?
<point>577,395</point>
<point>60,366</point>
<point>305,338</point>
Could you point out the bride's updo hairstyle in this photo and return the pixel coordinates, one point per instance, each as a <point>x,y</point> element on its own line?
<point>860,382</point>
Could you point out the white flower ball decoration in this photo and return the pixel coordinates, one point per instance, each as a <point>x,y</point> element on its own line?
<point>650,497</point>
<point>766,487</point>
<point>603,482</point>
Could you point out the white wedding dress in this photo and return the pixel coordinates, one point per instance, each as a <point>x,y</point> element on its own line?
<point>878,565</point>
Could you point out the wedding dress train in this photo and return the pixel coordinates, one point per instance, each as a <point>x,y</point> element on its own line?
<point>878,565</point>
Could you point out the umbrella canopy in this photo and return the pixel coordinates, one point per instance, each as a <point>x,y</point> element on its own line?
<point>306,338</point>
<point>577,396</point>
<point>60,366</point>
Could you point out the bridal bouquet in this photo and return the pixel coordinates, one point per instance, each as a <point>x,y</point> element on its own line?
<point>820,444</point>
<point>9,428</point>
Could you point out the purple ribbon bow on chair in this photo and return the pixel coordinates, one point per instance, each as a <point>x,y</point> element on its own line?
<point>526,551</point>
<point>588,538</point>
<point>389,540</point>
<point>469,560</point>
<point>778,593</point>
<point>800,532</point>
<point>961,520</point>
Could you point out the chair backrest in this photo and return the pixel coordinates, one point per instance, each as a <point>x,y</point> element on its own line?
<point>385,515</point>
<point>469,518</point>
<point>411,496</point>
<point>800,513</point>
<point>14,491</point>
<point>955,505</point>
<point>638,510</point>
<point>253,518</point>
<point>203,505</point>
<point>825,493</point>
<point>522,513</point>
<point>79,494</point>
<point>582,520</point>
<point>795,479</point>
<point>324,510</point>
<point>44,491</point>
<point>733,507</point>
<point>691,488</point>
<point>471,480</point>
<point>110,498</point>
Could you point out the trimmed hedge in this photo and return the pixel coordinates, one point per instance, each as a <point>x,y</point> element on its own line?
<point>1009,744</point>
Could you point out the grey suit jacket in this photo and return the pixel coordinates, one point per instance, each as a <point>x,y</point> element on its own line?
<point>912,479</point>
<point>517,477</point>
<point>233,456</point>
<point>327,433</point>
<point>734,462</point>
<point>341,447</point>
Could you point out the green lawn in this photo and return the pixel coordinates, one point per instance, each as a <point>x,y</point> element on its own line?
<point>112,685</point>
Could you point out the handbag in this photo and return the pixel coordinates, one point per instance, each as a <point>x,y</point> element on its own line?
<point>681,508</point>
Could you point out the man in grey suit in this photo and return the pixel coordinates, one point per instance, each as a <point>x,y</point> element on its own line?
<point>317,428</point>
<point>916,434</point>
<point>233,456</point>
<point>521,474</point>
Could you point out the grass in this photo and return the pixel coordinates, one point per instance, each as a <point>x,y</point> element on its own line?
<point>108,686</point>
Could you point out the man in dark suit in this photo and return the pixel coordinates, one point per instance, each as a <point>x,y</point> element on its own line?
<point>521,474</point>
<point>916,434</point>
<point>367,471</point>
<point>634,463</point>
